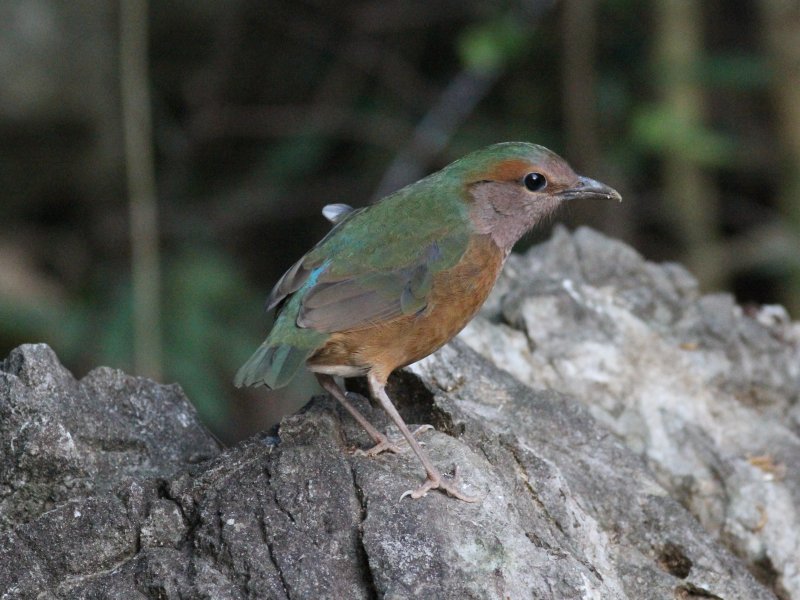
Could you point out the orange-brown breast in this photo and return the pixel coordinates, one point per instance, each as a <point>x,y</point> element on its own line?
<point>456,296</point>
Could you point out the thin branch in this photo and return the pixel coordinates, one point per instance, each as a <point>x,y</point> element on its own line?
<point>137,129</point>
<point>692,197</point>
<point>782,20</point>
<point>434,131</point>
<point>578,85</point>
<point>450,111</point>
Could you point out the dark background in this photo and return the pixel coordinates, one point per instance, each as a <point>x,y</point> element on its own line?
<point>246,117</point>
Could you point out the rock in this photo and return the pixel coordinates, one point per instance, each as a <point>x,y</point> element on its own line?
<point>706,391</point>
<point>621,437</point>
<point>63,440</point>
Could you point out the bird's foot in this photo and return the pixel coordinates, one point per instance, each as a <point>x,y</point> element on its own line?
<point>435,481</point>
<point>386,444</point>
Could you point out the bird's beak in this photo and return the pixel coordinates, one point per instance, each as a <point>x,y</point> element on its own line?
<point>589,188</point>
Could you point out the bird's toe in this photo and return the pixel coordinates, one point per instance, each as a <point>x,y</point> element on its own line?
<point>435,481</point>
<point>385,445</point>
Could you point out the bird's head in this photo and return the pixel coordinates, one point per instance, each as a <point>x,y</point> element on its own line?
<point>513,186</point>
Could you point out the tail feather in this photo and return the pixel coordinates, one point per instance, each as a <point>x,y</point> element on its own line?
<point>272,366</point>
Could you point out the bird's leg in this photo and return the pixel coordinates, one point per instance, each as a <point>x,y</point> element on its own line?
<point>382,443</point>
<point>396,445</point>
<point>434,479</point>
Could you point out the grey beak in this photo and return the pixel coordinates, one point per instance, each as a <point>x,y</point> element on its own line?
<point>589,188</point>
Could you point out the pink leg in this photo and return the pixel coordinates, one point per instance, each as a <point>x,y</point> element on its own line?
<point>434,479</point>
<point>382,443</point>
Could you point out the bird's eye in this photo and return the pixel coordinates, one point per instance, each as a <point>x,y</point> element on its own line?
<point>535,182</point>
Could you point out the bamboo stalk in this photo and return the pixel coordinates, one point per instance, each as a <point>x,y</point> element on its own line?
<point>782,32</point>
<point>690,194</point>
<point>140,170</point>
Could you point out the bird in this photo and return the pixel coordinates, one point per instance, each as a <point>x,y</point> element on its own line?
<point>394,281</point>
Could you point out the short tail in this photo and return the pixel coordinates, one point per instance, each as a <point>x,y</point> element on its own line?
<point>272,366</point>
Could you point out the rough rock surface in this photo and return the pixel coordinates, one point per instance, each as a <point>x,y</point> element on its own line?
<point>707,391</point>
<point>63,439</point>
<point>637,438</point>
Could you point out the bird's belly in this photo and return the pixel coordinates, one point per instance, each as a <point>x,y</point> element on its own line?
<point>456,296</point>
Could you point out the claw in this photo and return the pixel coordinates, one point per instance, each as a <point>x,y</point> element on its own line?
<point>434,481</point>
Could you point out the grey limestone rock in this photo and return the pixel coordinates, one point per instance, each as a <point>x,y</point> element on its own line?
<point>707,392</point>
<point>63,440</point>
<point>628,438</point>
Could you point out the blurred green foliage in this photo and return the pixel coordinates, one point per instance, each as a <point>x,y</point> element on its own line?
<point>212,324</point>
<point>487,47</point>
<point>656,129</point>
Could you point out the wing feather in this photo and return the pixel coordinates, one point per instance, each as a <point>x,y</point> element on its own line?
<point>291,281</point>
<point>377,263</point>
<point>363,299</point>
<point>299,272</point>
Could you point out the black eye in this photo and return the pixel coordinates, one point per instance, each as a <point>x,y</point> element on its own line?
<point>535,182</point>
